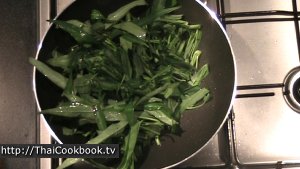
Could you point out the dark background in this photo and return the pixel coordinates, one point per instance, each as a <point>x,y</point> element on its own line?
<point>18,41</point>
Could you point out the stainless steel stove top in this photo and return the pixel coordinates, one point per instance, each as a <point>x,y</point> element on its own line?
<point>262,130</point>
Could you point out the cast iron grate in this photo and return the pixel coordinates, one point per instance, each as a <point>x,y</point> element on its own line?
<point>242,18</point>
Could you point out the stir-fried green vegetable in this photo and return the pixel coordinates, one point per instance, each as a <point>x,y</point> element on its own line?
<point>128,77</point>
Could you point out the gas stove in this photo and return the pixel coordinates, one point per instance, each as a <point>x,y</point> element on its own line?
<point>261,130</point>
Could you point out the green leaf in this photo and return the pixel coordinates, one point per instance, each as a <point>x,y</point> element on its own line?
<point>158,5</point>
<point>126,45</point>
<point>97,164</point>
<point>73,110</point>
<point>78,33</point>
<point>190,100</point>
<point>126,64</point>
<point>83,83</point>
<point>172,104</point>
<point>161,116</point>
<point>68,131</point>
<point>130,143</point>
<point>199,75</point>
<point>105,134</point>
<point>101,121</point>
<point>68,162</point>
<point>137,66</point>
<point>132,28</point>
<point>156,14</point>
<point>108,132</point>
<point>121,12</point>
<point>86,27</point>
<point>60,60</point>
<point>129,112</point>
<point>96,15</point>
<point>114,115</point>
<point>153,93</point>
<point>135,40</point>
<point>51,74</point>
<point>173,88</point>
<point>163,70</point>
<point>205,99</point>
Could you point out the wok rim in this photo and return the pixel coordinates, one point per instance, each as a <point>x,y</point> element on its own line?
<point>212,15</point>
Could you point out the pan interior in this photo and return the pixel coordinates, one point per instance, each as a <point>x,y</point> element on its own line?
<point>198,125</point>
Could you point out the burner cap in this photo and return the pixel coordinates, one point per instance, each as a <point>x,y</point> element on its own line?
<point>291,89</point>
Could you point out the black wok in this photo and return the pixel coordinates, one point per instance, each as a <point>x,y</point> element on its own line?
<point>199,125</point>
